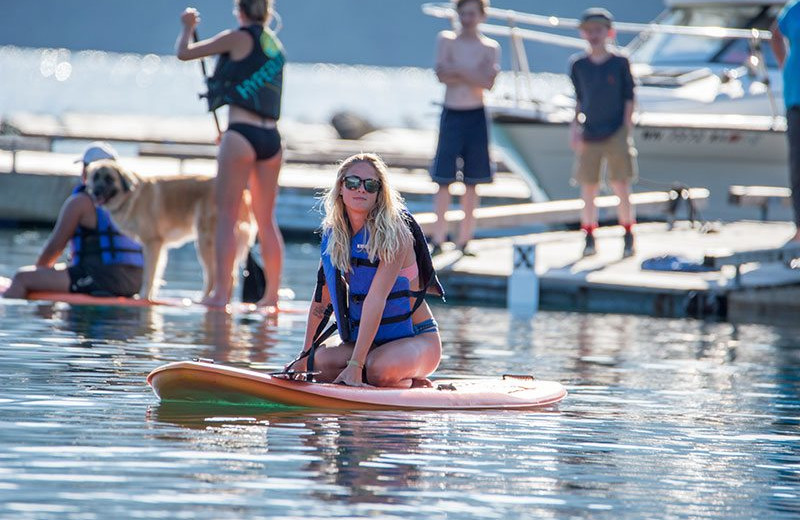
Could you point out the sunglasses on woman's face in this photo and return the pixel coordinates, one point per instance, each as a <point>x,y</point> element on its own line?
<point>352,182</point>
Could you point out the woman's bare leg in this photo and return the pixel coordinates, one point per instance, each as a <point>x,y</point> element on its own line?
<point>234,164</point>
<point>31,278</point>
<point>264,188</point>
<point>399,363</point>
<point>330,361</point>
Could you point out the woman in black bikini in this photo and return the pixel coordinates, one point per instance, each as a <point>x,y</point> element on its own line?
<point>249,79</point>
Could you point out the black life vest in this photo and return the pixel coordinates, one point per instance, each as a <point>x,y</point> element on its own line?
<point>254,83</point>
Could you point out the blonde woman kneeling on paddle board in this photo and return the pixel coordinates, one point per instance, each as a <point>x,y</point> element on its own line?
<point>375,271</point>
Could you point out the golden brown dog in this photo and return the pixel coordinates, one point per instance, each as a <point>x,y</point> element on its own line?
<point>166,211</point>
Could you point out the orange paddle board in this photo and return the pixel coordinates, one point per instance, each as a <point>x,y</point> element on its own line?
<point>210,383</point>
<point>121,301</point>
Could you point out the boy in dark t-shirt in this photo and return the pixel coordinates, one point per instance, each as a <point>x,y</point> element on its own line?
<point>601,131</point>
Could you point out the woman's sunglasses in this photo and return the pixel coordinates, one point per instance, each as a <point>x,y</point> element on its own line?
<point>352,182</point>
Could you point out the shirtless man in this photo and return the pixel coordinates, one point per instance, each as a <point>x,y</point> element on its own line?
<point>467,63</point>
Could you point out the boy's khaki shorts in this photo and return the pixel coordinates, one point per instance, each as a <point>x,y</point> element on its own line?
<point>620,156</point>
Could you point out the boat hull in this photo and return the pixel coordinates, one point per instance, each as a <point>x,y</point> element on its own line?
<point>698,153</point>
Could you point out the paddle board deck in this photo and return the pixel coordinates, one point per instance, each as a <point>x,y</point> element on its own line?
<point>211,383</point>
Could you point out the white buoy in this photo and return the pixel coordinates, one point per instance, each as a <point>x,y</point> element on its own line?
<point>523,284</point>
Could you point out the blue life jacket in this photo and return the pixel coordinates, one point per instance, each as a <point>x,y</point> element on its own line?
<point>105,242</point>
<point>348,294</point>
<point>254,83</point>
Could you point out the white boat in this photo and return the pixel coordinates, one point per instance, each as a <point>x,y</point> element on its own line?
<point>709,108</point>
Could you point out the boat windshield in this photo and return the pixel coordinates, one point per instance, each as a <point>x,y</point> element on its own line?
<point>675,49</point>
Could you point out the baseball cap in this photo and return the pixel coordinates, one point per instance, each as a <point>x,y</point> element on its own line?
<point>597,14</point>
<point>96,151</point>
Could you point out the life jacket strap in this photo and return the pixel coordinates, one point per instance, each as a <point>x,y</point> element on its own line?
<point>420,298</point>
<point>320,335</point>
<point>363,262</point>
<point>358,298</point>
<point>320,284</point>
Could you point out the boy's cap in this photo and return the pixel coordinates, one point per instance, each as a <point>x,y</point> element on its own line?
<point>96,151</point>
<point>597,14</point>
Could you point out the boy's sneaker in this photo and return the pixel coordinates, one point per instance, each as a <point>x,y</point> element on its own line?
<point>589,249</point>
<point>628,249</point>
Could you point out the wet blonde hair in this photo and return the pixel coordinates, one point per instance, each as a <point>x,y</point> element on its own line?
<point>386,226</point>
<point>255,10</point>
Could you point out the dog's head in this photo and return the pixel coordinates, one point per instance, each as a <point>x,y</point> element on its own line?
<point>108,183</point>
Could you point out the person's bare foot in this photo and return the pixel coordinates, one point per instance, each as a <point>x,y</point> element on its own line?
<point>268,305</point>
<point>423,382</point>
<point>269,310</point>
<point>212,300</point>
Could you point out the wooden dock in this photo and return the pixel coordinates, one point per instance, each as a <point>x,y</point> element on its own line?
<point>656,205</point>
<point>34,181</point>
<point>45,179</point>
<point>770,305</point>
<point>188,138</point>
<point>606,282</point>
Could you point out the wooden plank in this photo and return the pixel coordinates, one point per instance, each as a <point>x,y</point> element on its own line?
<point>784,254</point>
<point>772,305</point>
<point>317,153</point>
<point>558,211</point>
<point>45,179</point>
<point>758,195</point>
<point>193,138</point>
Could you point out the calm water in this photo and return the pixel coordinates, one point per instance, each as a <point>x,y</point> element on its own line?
<point>395,34</point>
<point>665,419</point>
<point>58,81</point>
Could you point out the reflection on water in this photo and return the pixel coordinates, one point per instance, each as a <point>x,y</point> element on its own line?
<point>665,419</point>
<point>48,80</point>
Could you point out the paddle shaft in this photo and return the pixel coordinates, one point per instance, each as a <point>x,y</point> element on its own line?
<point>205,75</point>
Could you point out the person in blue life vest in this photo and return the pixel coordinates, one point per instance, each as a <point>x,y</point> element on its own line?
<point>104,262</point>
<point>249,79</point>
<point>786,30</point>
<point>375,270</point>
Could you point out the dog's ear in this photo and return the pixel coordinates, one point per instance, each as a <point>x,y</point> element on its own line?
<point>127,178</point>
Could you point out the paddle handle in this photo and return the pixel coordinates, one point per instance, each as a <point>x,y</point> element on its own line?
<point>205,75</point>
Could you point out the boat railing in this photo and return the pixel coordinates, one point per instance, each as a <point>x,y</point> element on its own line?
<point>446,10</point>
<point>523,90</point>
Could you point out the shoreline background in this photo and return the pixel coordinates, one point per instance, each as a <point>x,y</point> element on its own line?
<point>366,32</point>
<point>371,58</point>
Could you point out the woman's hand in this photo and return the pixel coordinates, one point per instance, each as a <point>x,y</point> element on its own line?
<point>190,18</point>
<point>351,376</point>
<point>297,365</point>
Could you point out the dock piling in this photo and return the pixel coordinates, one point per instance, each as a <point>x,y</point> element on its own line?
<point>523,284</point>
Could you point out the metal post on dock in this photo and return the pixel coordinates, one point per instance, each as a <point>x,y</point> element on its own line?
<point>523,284</point>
